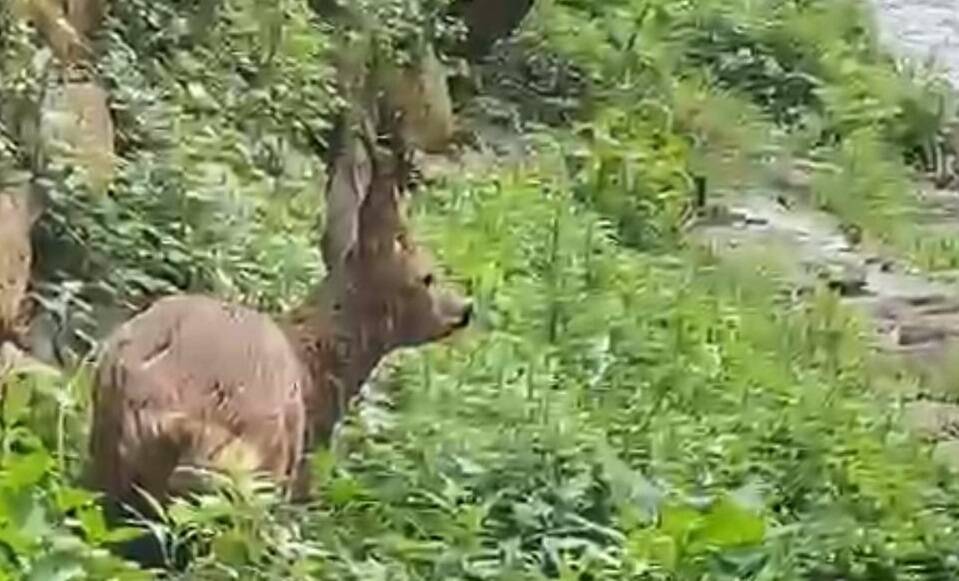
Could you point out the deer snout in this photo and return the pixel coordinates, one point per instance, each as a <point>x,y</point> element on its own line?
<point>466,316</point>
<point>456,311</point>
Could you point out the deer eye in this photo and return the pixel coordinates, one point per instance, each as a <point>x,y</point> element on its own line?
<point>428,280</point>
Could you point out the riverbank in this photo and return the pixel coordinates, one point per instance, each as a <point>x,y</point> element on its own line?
<point>925,30</point>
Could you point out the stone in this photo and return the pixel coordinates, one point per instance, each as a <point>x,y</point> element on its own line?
<point>946,453</point>
<point>488,21</point>
<point>931,419</point>
<point>76,127</point>
<point>846,277</point>
<point>913,334</point>
<point>15,256</point>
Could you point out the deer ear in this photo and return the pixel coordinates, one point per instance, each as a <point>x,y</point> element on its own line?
<point>347,189</point>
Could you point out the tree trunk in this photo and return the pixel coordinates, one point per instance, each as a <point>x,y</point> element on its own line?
<point>488,21</point>
<point>15,254</point>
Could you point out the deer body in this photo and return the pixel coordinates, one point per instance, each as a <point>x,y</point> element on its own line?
<point>196,382</point>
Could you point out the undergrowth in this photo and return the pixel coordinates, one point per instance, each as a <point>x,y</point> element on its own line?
<point>625,407</point>
<point>737,85</point>
<point>616,415</point>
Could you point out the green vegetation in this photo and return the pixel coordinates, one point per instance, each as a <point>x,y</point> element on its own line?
<point>626,407</point>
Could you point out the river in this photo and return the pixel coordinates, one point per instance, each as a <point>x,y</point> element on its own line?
<point>923,29</point>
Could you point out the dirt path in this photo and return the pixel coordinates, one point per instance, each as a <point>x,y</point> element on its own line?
<point>915,318</point>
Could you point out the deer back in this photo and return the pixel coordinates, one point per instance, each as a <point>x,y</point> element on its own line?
<point>195,382</point>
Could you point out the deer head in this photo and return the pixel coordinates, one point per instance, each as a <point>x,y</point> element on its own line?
<point>380,278</point>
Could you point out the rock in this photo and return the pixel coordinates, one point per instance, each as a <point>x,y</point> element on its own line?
<point>852,232</point>
<point>13,359</point>
<point>719,215</point>
<point>947,454</point>
<point>923,300</point>
<point>942,311</point>
<point>913,334</point>
<point>795,178</point>
<point>931,419</point>
<point>919,357</point>
<point>42,338</point>
<point>76,127</point>
<point>846,277</point>
<point>15,255</point>
<point>884,264</point>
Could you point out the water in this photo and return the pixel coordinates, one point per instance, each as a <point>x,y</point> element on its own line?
<point>923,29</point>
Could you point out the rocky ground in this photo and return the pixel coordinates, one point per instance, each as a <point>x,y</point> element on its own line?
<point>914,317</point>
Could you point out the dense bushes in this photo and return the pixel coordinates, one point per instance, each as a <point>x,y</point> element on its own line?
<point>219,182</point>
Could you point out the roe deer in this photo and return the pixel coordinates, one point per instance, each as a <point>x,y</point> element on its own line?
<point>195,382</point>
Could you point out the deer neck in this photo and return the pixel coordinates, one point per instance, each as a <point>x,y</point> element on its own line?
<point>339,353</point>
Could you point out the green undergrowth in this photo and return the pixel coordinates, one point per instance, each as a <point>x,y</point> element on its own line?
<point>613,415</point>
<point>625,407</point>
<point>219,111</point>
<point>615,404</point>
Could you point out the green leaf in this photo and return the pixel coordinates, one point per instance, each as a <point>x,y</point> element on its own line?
<point>322,464</point>
<point>727,524</point>
<point>93,524</point>
<point>69,498</point>
<point>22,471</point>
<point>122,534</point>
<point>678,521</point>
<point>57,567</point>
<point>231,548</point>
<point>17,394</point>
<point>651,546</point>
<point>344,490</point>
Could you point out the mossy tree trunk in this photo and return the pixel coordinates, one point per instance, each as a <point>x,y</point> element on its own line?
<point>488,21</point>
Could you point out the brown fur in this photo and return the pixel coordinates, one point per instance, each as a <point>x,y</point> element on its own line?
<point>193,381</point>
